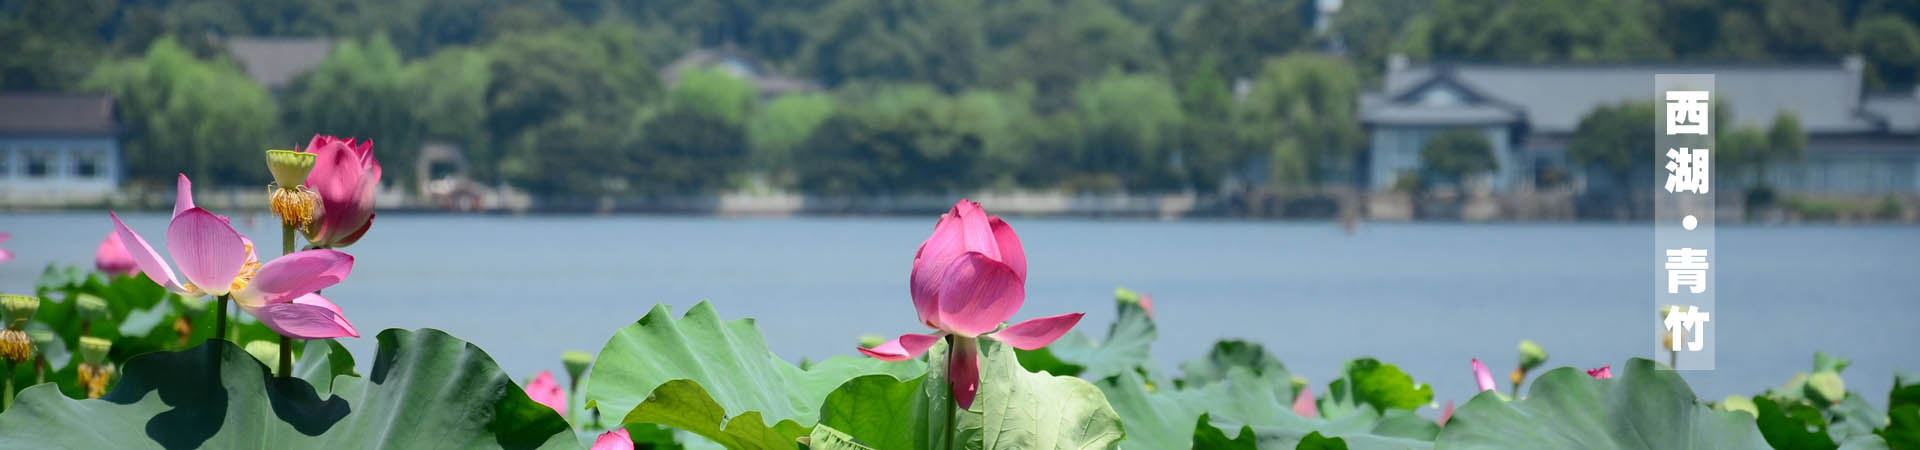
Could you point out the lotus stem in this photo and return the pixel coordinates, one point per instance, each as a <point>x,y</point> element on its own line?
<point>6,400</point>
<point>220,320</point>
<point>952,403</point>
<point>286,343</point>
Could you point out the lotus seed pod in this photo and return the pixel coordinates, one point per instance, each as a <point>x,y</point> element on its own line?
<point>290,168</point>
<point>1531,355</point>
<point>1124,295</point>
<point>576,362</point>
<point>94,350</point>
<point>872,340</point>
<point>18,309</point>
<point>90,307</point>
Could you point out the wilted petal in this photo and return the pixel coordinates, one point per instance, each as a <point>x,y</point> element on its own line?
<point>209,251</point>
<point>182,195</point>
<point>545,391</point>
<point>1011,252</point>
<point>144,258</point>
<point>901,348</point>
<point>963,371</point>
<point>613,440</point>
<point>306,317</point>
<point>1481,377</point>
<point>1602,373</point>
<point>1304,405</point>
<point>294,275</point>
<point>977,294</point>
<point>1036,333</point>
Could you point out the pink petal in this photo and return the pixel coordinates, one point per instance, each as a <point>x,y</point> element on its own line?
<point>1303,404</point>
<point>975,231</point>
<point>294,275</point>
<point>545,391</point>
<point>182,195</point>
<point>901,348</point>
<point>209,251</point>
<point>1036,333</point>
<point>1481,377</point>
<point>307,317</point>
<point>1446,414</point>
<point>963,372</point>
<point>345,175</point>
<point>5,255</point>
<point>1146,303</point>
<point>1602,373</point>
<point>978,293</point>
<point>930,264</point>
<point>4,236</point>
<point>1009,243</point>
<point>144,258</point>
<point>613,440</point>
<point>111,256</point>
<point>357,234</point>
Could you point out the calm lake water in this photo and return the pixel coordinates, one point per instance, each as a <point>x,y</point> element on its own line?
<point>1426,297</point>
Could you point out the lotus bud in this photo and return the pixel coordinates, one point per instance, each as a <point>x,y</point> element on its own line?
<point>15,346</point>
<point>1825,388</point>
<point>1531,355</point>
<point>90,307</point>
<point>872,340</point>
<point>1124,295</point>
<point>576,362</point>
<point>94,371</point>
<point>294,203</point>
<point>266,351</point>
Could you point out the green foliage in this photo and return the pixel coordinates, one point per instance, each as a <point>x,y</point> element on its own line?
<point>662,370</point>
<point>1305,105</point>
<point>1891,46</point>
<point>1614,137</point>
<point>714,92</point>
<point>1458,154</point>
<point>1641,407</point>
<point>784,124</point>
<point>1371,383</point>
<point>358,91</point>
<point>426,389</point>
<point>1125,349</point>
<point>188,115</point>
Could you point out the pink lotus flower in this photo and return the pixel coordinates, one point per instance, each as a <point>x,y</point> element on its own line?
<point>4,254</point>
<point>614,440</point>
<point>968,278</point>
<point>1446,414</point>
<point>1303,404</point>
<point>1602,373</point>
<point>1481,377</point>
<point>545,391</point>
<point>345,174</point>
<point>216,260</point>
<point>112,257</point>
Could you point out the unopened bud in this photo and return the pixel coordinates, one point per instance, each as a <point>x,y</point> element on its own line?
<point>1825,388</point>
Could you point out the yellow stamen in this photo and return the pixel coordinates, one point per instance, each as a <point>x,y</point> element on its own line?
<point>15,346</point>
<point>95,378</point>
<point>297,206</point>
<point>247,271</point>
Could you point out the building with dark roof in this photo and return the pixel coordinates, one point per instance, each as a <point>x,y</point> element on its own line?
<point>1857,143</point>
<point>58,146</point>
<point>274,62</point>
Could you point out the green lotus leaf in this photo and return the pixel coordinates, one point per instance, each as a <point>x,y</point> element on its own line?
<point>1793,425</point>
<point>1015,409</point>
<point>1314,441</point>
<point>717,379</point>
<point>1369,382</point>
<point>1254,404</point>
<point>1227,354</point>
<point>1642,407</point>
<point>323,360</point>
<point>827,438</point>
<point>1126,348</point>
<point>426,390</point>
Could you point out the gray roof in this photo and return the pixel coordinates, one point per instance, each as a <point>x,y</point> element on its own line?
<point>57,114</point>
<point>273,62</point>
<point>1902,112</point>
<point>1553,98</point>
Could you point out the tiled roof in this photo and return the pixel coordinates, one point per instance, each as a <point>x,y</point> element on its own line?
<point>273,62</point>
<point>57,114</point>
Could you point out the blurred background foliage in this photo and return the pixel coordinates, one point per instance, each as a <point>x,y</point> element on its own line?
<point>567,97</point>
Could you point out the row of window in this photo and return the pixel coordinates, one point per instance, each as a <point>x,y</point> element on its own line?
<point>46,164</point>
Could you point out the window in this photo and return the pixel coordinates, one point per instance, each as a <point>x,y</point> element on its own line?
<point>86,164</point>
<point>39,164</point>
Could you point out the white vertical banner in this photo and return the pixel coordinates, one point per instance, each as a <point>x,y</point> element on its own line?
<point>1685,263</point>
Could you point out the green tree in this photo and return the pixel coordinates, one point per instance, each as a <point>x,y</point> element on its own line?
<point>787,121</point>
<point>714,92</point>
<point>1786,142</point>
<point>1131,123</point>
<point>449,95</point>
<point>685,151</point>
<point>50,45</point>
<point>1305,105</point>
<point>1891,46</point>
<point>186,115</point>
<point>598,74</point>
<point>1458,154</point>
<point>1543,31</point>
<point>1239,33</point>
<point>1618,138</point>
<point>358,91</point>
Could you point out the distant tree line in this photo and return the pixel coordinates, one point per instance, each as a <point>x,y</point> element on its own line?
<point>919,96</point>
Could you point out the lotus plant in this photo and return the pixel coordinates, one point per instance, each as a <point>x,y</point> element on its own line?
<point>614,440</point>
<point>216,260</point>
<point>111,257</point>
<point>345,174</point>
<point>4,254</point>
<point>1482,378</point>
<point>544,390</point>
<point>1601,373</point>
<point>968,278</point>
